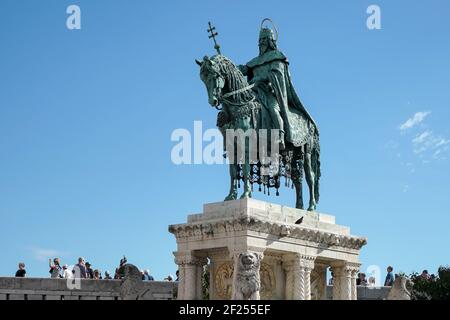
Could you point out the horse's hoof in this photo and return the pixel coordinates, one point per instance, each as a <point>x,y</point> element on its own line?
<point>300,206</point>
<point>230,197</point>
<point>312,207</point>
<point>246,195</point>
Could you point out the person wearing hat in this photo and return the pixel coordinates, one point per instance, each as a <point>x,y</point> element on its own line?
<point>269,74</point>
<point>66,273</point>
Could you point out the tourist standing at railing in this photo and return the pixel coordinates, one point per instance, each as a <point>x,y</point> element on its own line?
<point>21,272</point>
<point>107,276</point>
<point>97,275</point>
<point>146,276</point>
<point>80,269</point>
<point>66,273</point>
<point>389,281</point>
<point>89,271</point>
<point>55,268</point>
<point>361,280</point>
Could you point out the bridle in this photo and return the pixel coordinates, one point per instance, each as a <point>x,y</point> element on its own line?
<point>224,98</point>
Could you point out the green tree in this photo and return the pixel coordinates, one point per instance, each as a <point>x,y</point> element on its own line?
<point>437,288</point>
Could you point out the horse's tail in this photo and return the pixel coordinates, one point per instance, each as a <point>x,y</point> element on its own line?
<point>315,165</point>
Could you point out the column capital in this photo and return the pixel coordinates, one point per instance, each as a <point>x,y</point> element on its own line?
<point>345,279</point>
<point>288,265</point>
<point>189,258</point>
<point>299,260</point>
<point>321,264</point>
<point>345,267</point>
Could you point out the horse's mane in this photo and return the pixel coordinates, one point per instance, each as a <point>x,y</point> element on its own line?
<point>234,79</point>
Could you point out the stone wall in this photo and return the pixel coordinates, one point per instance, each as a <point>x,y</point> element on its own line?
<point>365,293</point>
<point>57,289</point>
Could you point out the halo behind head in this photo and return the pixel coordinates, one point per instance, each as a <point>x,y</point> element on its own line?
<point>267,32</point>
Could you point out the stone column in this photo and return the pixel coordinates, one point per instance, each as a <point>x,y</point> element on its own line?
<point>299,283</point>
<point>336,271</point>
<point>344,285</point>
<point>319,281</point>
<point>289,287</point>
<point>191,269</point>
<point>212,275</point>
<point>354,292</point>
<point>190,290</point>
<point>298,267</point>
<point>252,276</point>
<point>181,279</point>
<point>307,274</point>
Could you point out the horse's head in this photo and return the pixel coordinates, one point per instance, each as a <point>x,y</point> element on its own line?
<point>212,78</point>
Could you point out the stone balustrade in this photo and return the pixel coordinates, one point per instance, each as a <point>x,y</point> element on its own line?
<point>365,293</point>
<point>58,289</point>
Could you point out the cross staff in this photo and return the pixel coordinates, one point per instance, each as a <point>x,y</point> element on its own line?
<point>213,36</point>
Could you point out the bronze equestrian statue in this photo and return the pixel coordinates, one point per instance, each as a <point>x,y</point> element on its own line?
<point>260,95</point>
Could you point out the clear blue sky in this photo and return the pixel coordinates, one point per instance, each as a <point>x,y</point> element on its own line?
<point>86,117</point>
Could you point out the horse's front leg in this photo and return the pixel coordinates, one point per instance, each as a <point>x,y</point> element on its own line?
<point>232,195</point>
<point>244,145</point>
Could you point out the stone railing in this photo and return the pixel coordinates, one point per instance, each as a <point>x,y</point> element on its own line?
<point>57,289</point>
<point>365,293</point>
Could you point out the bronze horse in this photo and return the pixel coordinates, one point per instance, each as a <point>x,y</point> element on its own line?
<point>241,110</point>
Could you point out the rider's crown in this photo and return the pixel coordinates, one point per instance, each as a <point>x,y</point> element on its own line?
<point>266,33</point>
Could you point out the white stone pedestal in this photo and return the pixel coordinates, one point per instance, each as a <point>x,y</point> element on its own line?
<point>293,257</point>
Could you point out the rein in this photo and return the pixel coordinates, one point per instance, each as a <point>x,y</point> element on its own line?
<point>229,94</point>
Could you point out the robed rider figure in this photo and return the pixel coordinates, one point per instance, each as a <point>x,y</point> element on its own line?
<point>269,72</point>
